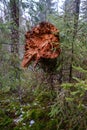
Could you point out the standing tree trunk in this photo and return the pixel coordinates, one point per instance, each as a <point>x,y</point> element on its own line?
<point>14,14</point>
<point>76,18</point>
<point>46,8</point>
<point>14,7</point>
<point>42,13</point>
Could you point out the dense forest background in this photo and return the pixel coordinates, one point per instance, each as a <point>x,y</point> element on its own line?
<point>35,99</point>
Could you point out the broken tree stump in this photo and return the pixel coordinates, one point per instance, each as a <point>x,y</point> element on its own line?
<point>42,44</point>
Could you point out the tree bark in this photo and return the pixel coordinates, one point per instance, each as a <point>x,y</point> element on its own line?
<point>76,18</point>
<point>14,7</point>
<point>14,14</point>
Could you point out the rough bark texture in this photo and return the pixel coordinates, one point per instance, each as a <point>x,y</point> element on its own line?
<point>42,42</point>
<point>76,20</point>
<point>14,8</point>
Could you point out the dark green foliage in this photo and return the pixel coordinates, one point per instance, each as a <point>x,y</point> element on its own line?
<point>70,106</point>
<point>42,98</point>
<point>65,109</point>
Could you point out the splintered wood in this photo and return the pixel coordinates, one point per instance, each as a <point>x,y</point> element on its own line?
<point>41,42</point>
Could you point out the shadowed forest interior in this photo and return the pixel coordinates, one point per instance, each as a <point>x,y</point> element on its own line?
<point>51,93</point>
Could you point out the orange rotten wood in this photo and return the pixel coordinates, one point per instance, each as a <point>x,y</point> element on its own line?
<point>41,42</point>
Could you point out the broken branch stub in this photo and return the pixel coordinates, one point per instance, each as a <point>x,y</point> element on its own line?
<point>41,42</point>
